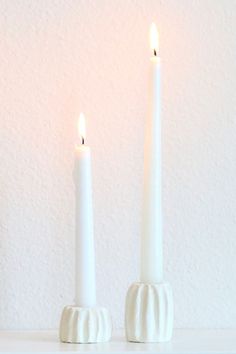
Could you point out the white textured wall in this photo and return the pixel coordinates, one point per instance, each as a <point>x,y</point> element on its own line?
<point>59,57</point>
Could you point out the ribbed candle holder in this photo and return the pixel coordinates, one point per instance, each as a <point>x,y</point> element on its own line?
<point>85,325</point>
<point>149,313</point>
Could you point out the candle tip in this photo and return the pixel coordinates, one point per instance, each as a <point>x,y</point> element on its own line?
<point>154,38</point>
<point>82,128</point>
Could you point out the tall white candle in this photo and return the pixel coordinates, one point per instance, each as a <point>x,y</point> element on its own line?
<point>85,287</point>
<point>151,238</point>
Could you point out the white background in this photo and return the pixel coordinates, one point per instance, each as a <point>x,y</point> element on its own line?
<point>60,57</point>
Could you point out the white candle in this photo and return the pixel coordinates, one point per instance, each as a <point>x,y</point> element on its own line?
<point>151,238</point>
<point>85,288</point>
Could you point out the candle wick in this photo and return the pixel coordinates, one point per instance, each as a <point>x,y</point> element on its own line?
<point>155,52</point>
<point>82,140</point>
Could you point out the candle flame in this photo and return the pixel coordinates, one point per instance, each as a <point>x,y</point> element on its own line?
<point>82,127</point>
<point>154,38</point>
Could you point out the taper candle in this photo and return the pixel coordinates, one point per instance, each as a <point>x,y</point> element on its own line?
<point>85,285</point>
<point>151,238</point>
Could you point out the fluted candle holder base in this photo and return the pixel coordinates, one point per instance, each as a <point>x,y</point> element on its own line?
<point>149,313</point>
<point>85,325</point>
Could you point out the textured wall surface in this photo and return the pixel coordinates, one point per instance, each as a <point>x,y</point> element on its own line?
<point>60,57</point>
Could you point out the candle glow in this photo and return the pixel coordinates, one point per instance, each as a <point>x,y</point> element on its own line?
<point>82,127</point>
<point>154,38</point>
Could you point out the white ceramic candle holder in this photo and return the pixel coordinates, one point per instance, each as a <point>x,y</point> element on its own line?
<point>149,313</point>
<point>85,325</point>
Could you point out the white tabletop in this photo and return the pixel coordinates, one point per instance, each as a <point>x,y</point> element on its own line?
<point>184,342</point>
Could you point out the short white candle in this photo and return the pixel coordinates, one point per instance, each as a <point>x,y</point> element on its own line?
<point>151,238</point>
<point>85,287</point>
